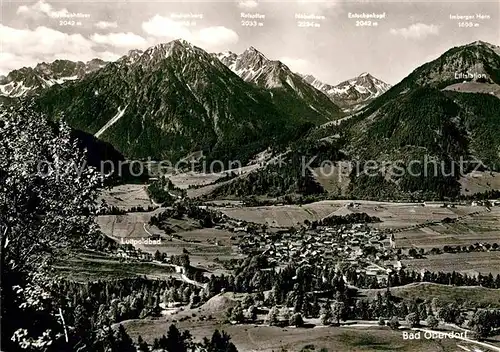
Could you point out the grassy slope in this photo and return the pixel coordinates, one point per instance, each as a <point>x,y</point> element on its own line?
<point>265,338</point>
<point>89,267</point>
<point>479,296</point>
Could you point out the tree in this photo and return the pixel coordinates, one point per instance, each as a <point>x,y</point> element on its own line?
<point>194,299</point>
<point>361,309</point>
<point>381,321</point>
<point>315,308</point>
<point>220,342</point>
<point>186,294</point>
<point>482,323</point>
<point>142,345</point>
<point>296,320</point>
<point>450,313</point>
<point>156,344</point>
<point>338,308</point>
<point>285,314</point>
<point>158,190</point>
<point>48,196</point>
<point>49,193</point>
<point>435,304</point>
<point>394,323</point>
<point>272,316</point>
<point>163,342</point>
<point>82,321</point>
<point>102,318</point>
<point>248,300</point>
<point>413,320</point>
<point>237,314</point>
<point>158,256</point>
<point>327,315</point>
<point>184,260</point>
<point>252,313</point>
<point>403,310</point>
<point>174,341</point>
<point>104,341</point>
<point>123,341</point>
<point>432,322</point>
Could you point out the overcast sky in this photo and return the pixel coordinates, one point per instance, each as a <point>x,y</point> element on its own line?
<point>411,34</point>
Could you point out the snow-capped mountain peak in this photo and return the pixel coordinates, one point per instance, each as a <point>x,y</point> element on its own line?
<point>179,50</point>
<point>226,55</point>
<point>249,65</point>
<point>353,93</point>
<point>164,50</point>
<point>251,52</point>
<point>30,80</point>
<point>133,55</point>
<point>254,67</point>
<point>366,82</point>
<point>251,59</point>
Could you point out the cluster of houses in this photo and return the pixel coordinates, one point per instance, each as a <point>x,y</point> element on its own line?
<point>475,203</point>
<point>355,244</point>
<point>486,203</point>
<point>234,225</point>
<point>130,252</point>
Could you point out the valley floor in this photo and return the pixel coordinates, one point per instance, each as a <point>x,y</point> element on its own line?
<point>414,225</point>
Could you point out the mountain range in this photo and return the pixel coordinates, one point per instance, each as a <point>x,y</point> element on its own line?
<point>179,99</point>
<point>253,67</point>
<point>31,80</point>
<point>444,115</point>
<point>353,94</point>
<point>423,99</point>
<point>175,99</point>
<point>422,118</point>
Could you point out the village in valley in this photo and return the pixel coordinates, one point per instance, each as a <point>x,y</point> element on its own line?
<point>229,176</point>
<point>346,250</point>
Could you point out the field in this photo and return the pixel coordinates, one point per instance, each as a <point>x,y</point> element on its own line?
<point>129,225</point>
<point>185,180</point>
<point>482,227</point>
<point>88,266</point>
<point>204,183</point>
<point>202,253</point>
<point>471,295</point>
<point>393,215</point>
<point>467,263</point>
<point>414,225</point>
<point>203,245</point>
<point>334,179</point>
<point>475,87</point>
<point>283,216</point>
<point>475,223</point>
<point>397,216</point>
<point>127,196</point>
<point>267,338</point>
<point>368,336</point>
<point>479,182</point>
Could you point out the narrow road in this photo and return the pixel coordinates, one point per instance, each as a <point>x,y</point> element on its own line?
<point>146,230</point>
